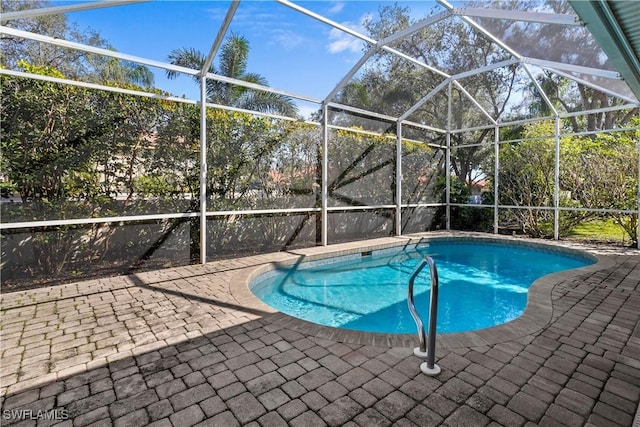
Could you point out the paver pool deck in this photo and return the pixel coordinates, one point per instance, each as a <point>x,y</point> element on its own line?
<point>190,346</point>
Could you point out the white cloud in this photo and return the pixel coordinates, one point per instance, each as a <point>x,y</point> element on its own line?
<point>339,41</point>
<point>307,111</point>
<point>287,39</point>
<point>250,18</point>
<point>336,7</point>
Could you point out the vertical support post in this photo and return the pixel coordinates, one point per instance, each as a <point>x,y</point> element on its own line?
<point>203,169</point>
<point>399,179</point>
<point>325,171</point>
<point>448,161</point>
<point>496,175</point>
<point>556,182</point>
<point>638,199</point>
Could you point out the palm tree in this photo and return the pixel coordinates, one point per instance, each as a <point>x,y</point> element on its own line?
<point>113,70</point>
<point>233,63</point>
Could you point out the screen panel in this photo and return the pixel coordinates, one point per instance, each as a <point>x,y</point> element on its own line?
<point>86,153</point>
<point>360,225</point>
<point>421,219</point>
<point>52,255</point>
<point>361,169</point>
<point>244,235</point>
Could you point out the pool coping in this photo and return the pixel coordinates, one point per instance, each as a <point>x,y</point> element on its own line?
<point>538,312</point>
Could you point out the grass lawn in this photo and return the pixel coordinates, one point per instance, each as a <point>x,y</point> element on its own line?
<point>600,230</point>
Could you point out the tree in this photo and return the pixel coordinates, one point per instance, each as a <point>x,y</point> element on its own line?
<point>235,141</point>
<point>602,171</point>
<point>14,49</point>
<point>599,171</point>
<point>526,178</point>
<point>73,64</point>
<point>114,71</point>
<point>550,44</point>
<point>72,152</point>
<point>566,95</point>
<point>393,85</point>
<point>233,63</point>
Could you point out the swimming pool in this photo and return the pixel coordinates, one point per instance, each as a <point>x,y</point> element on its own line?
<point>482,284</point>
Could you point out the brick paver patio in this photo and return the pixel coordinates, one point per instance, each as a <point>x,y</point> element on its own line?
<point>182,347</point>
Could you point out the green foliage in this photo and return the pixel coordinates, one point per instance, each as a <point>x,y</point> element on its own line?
<point>154,185</point>
<point>422,166</point>
<point>7,189</point>
<point>606,229</point>
<point>595,171</point>
<point>463,217</point>
<point>361,169</point>
<point>233,63</point>
<point>122,73</point>
<point>44,134</point>
<point>526,177</point>
<point>43,70</point>
<point>70,152</point>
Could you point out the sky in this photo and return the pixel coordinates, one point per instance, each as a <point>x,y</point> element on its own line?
<point>293,52</point>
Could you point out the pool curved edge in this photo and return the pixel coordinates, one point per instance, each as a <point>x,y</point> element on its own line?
<point>537,314</point>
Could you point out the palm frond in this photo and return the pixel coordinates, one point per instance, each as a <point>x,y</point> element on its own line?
<point>268,102</point>
<point>234,56</point>
<point>255,78</point>
<point>233,63</point>
<point>188,58</point>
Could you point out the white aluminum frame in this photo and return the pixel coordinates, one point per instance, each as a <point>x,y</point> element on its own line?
<point>33,13</point>
<point>518,15</point>
<point>398,190</point>
<point>374,46</point>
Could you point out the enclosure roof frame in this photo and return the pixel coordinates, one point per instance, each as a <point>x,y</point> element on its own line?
<point>598,13</point>
<point>615,25</point>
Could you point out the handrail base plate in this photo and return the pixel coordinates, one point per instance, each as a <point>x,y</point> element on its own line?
<point>421,354</point>
<point>431,372</point>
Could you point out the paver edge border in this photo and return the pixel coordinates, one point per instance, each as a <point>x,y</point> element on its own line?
<point>537,314</point>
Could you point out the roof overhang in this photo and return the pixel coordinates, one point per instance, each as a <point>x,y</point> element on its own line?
<point>615,25</point>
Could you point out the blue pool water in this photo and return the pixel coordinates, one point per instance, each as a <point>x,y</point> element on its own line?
<point>481,285</point>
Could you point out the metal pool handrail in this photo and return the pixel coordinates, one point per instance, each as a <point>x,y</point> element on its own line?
<point>429,367</point>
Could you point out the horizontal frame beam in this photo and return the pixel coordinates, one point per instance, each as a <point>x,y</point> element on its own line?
<point>488,67</point>
<point>147,95</point>
<point>423,126</point>
<point>96,50</point>
<point>140,218</point>
<point>518,15</point>
<point>383,135</point>
<point>43,11</point>
<point>373,115</point>
<point>262,212</point>
<point>96,86</point>
<point>148,62</point>
<point>543,63</point>
<point>86,221</point>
